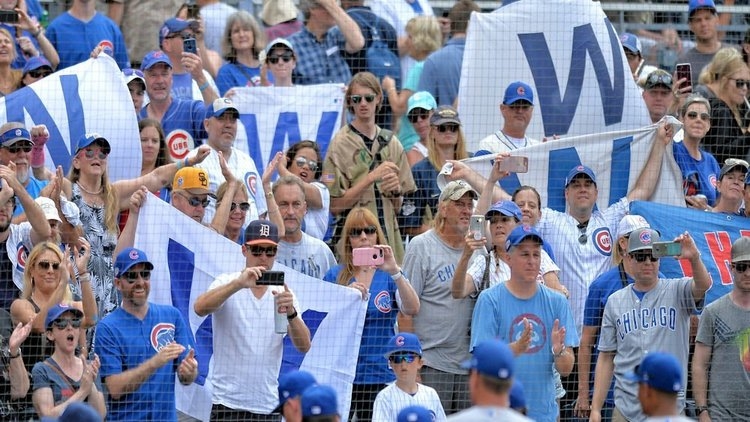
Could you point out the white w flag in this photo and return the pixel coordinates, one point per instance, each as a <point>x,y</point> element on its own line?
<point>188,256</point>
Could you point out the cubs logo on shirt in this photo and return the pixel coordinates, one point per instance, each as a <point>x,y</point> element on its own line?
<point>603,241</point>
<point>538,331</point>
<point>162,335</point>
<point>21,255</point>
<point>251,180</point>
<point>382,302</point>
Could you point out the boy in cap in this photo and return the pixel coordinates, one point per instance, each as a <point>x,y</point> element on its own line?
<point>291,386</point>
<point>660,380</point>
<point>319,404</point>
<point>517,110</point>
<point>405,359</point>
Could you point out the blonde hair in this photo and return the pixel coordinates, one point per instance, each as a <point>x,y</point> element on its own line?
<point>459,150</point>
<point>108,195</point>
<point>726,61</point>
<point>365,80</point>
<point>31,261</point>
<point>425,34</point>
<point>358,217</point>
<point>16,74</point>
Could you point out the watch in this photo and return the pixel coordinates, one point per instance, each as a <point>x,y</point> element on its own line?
<point>292,316</point>
<point>700,409</point>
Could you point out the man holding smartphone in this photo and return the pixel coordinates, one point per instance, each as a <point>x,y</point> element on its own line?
<point>189,78</point>
<point>243,331</point>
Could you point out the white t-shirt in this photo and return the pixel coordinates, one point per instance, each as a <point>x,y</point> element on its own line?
<point>316,220</point>
<point>391,400</point>
<point>499,142</point>
<point>488,414</point>
<point>309,256</point>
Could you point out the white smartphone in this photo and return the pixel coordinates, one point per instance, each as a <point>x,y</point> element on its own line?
<point>476,226</point>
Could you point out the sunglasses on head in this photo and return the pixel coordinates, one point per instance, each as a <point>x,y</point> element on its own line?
<point>90,153</point>
<point>741,267</point>
<point>692,115</point>
<point>131,72</point>
<point>311,164</point>
<point>417,115</point>
<point>46,264</point>
<point>400,358</point>
<point>658,78</point>
<point>38,73</point>
<point>741,83</point>
<point>448,127</point>
<point>132,276</point>
<point>194,201</point>
<point>356,99</point>
<point>366,230</point>
<point>259,250</point>
<point>286,57</point>
<point>18,147</point>
<point>643,256</point>
<point>62,323</point>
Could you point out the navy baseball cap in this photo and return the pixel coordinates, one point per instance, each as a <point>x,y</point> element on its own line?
<point>578,170</point>
<point>261,232</point>
<point>130,257</point>
<point>54,313</point>
<point>404,342</point>
<point>492,358</point>
<point>695,5</point>
<point>518,91</point>
<point>642,239</point>
<point>13,132</point>
<point>517,395</point>
<point>153,58</point>
<point>221,106</point>
<point>35,63</point>
<point>505,207</point>
<point>175,26</point>
<point>630,42</point>
<point>747,179</point>
<point>415,413</point>
<point>521,233</point>
<point>291,385</point>
<point>659,370</point>
<point>91,138</point>
<point>319,400</point>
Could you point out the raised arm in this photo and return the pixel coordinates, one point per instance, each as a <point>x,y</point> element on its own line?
<point>462,284</point>
<point>19,377</point>
<point>40,229</point>
<point>212,300</point>
<point>349,28</point>
<point>649,177</point>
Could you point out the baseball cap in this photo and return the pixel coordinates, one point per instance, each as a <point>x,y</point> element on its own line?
<point>192,179</point>
<point>421,99</point>
<point>279,41</point>
<point>48,208</point>
<point>221,106</point>
<point>517,395</point>
<point>261,232</point>
<point>505,207</point>
<point>521,233</point>
<point>492,358</point>
<point>278,11</point>
<point>630,223</point>
<point>35,63</point>
<point>13,132</point>
<point>455,189</point>
<point>630,42</point>
<point>175,26</point>
<point>642,239</point>
<point>730,164</point>
<point>578,170</point>
<point>518,91</point>
<point>659,370</point>
<point>658,78</point>
<point>444,114</point>
<point>695,5</point>
<point>741,249</point>
<point>319,400</point>
<point>404,342</point>
<point>132,75</point>
<point>129,257</point>
<point>91,138</point>
<point>55,311</point>
<point>291,385</point>
<point>415,413</point>
<point>153,58</point>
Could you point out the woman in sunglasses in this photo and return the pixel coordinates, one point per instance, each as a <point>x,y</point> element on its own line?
<point>243,41</point>
<point>231,209</point>
<point>36,68</point>
<point>386,290</point>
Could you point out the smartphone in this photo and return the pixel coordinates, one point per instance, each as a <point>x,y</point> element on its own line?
<point>372,257</point>
<point>8,16</point>
<point>476,226</point>
<point>189,46</point>
<point>193,11</point>
<point>271,278</point>
<point>662,249</point>
<point>684,70</point>
<point>515,164</point>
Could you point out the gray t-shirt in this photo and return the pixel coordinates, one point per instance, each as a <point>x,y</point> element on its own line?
<point>697,62</point>
<point>725,328</point>
<point>309,256</point>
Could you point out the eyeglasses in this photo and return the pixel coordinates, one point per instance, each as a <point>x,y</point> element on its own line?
<point>740,83</point>
<point>641,257</point>
<point>287,57</point>
<point>244,206</point>
<point>131,72</point>
<point>741,267</point>
<point>692,115</point>
<point>39,73</point>
<point>366,230</point>
<point>583,239</point>
<point>258,251</point>
<point>356,99</point>
<point>101,154</point>
<point>311,164</point>
<point>16,148</point>
<point>407,357</point>
<point>658,78</point>
<point>417,115</point>
<point>132,276</point>
<point>194,201</point>
<point>46,264</point>
<point>447,128</point>
<point>63,323</point>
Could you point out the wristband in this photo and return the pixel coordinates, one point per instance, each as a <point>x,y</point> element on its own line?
<point>700,409</point>
<point>397,276</point>
<point>269,194</point>
<point>292,316</point>
<point>187,163</point>
<point>17,355</point>
<point>180,164</point>
<point>84,277</point>
<point>203,87</point>
<point>37,156</point>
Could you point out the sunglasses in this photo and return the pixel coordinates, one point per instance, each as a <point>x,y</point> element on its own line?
<point>63,323</point>
<point>365,230</point>
<point>447,128</point>
<point>741,267</point>
<point>416,116</point>
<point>131,72</point>
<point>692,115</point>
<point>39,73</point>
<point>641,257</point>
<point>16,148</point>
<point>46,264</point>
<point>194,201</point>
<point>408,358</point>
<point>741,83</point>
<point>132,276</point>
<point>244,206</point>
<point>583,239</point>
<point>259,250</point>
<point>311,164</point>
<point>101,154</point>
<point>356,99</point>
<point>285,57</point>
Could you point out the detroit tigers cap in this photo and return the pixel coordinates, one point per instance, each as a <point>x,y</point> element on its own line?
<point>492,358</point>
<point>129,257</point>
<point>521,233</point>
<point>455,189</point>
<point>505,207</point>
<point>319,400</point>
<point>192,179</point>
<point>741,249</point>
<point>13,132</point>
<point>93,138</point>
<point>642,239</point>
<point>261,232</point>
<point>59,309</point>
<point>695,5</point>
<point>580,170</point>
<point>421,99</point>
<point>415,413</point>
<point>629,223</point>
<point>630,42</point>
<point>518,91</point>
<point>404,342</point>
<point>291,385</point>
<point>659,370</point>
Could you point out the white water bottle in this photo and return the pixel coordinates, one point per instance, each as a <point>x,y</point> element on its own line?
<point>280,322</point>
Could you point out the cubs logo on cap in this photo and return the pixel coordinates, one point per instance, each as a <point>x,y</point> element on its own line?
<point>642,239</point>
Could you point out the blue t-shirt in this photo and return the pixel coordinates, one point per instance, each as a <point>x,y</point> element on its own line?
<point>74,39</point>
<point>442,72</point>
<point>372,366</point>
<point>698,176</point>
<point>237,74</point>
<point>187,115</point>
<point>123,342</point>
<point>499,314</point>
<point>34,188</point>
<point>182,86</point>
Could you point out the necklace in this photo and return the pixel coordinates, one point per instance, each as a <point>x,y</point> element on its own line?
<point>80,186</point>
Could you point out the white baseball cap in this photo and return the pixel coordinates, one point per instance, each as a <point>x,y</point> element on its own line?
<point>629,223</point>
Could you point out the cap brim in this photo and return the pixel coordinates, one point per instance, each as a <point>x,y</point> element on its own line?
<point>446,120</point>
<point>261,242</point>
<point>741,258</point>
<point>198,191</point>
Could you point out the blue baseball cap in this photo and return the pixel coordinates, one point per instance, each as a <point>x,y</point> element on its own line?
<point>659,370</point>
<point>695,5</point>
<point>521,233</point>
<point>492,358</point>
<point>13,132</point>
<point>221,106</point>
<point>578,170</point>
<point>54,313</point>
<point>415,413</point>
<point>631,42</point>
<point>152,58</point>
<point>319,400</point>
<point>517,395</point>
<point>291,385</point>
<point>404,342</point>
<point>518,91</point>
<point>130,257</point>
<point>35,63</point>
<point>505,207</point>
<point>421,99</point>
<point>175,26</point>
<point>91,138</point>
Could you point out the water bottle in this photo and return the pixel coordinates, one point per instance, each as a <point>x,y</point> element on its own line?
<point>280,323</point>
<point>44,19</point>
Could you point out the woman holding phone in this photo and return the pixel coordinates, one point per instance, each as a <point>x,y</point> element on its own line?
<point>386,290</point>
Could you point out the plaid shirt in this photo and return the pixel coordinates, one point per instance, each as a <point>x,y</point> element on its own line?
<point>319,62</point>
